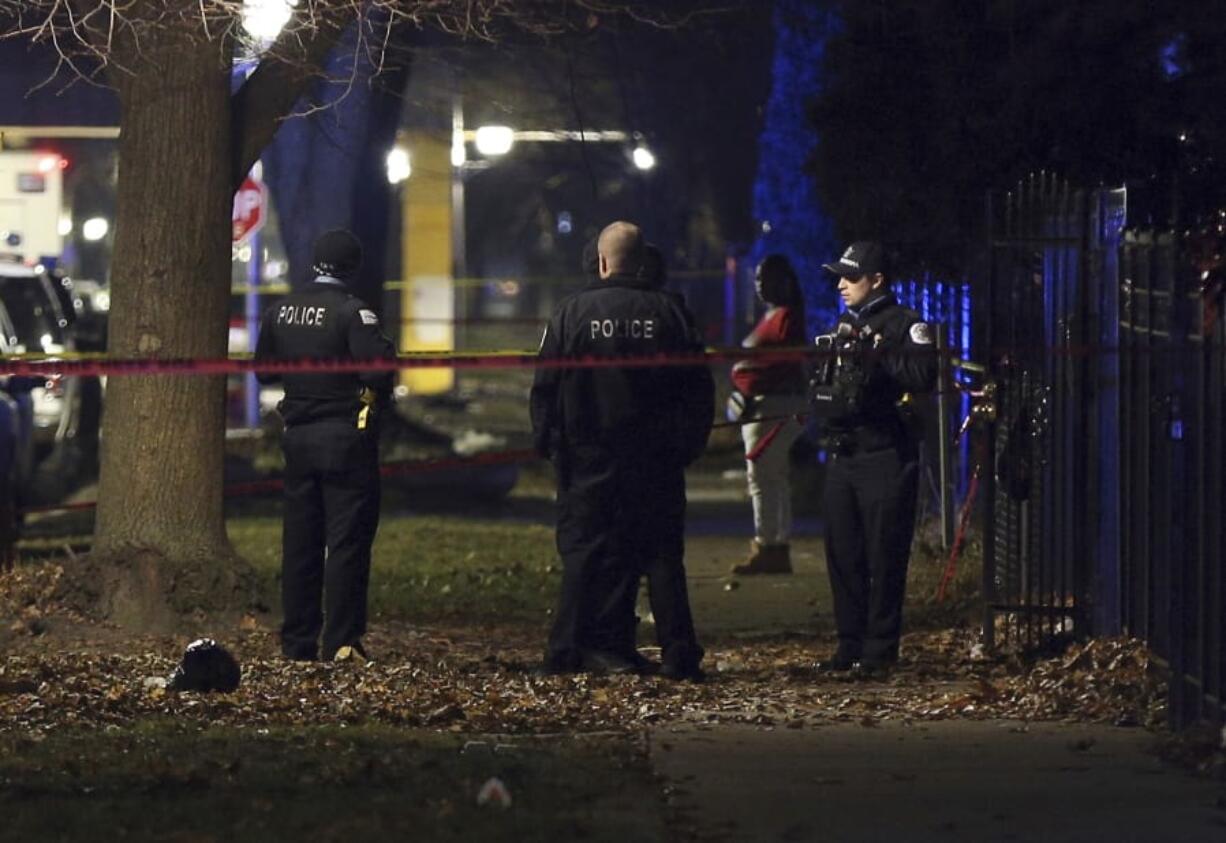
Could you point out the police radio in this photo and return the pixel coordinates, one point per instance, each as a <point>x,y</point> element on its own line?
<point>835,389</point>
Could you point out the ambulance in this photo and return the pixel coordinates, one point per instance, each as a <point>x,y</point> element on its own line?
<point>32,206</point>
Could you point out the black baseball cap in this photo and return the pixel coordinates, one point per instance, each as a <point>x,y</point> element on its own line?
<point>864,257</point>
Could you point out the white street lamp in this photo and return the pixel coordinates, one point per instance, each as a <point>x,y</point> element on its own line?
<point>264,19</point>
<point>94,229</point>
<point>495,140</point>
<point>399,167</point>
<point>643,158</point>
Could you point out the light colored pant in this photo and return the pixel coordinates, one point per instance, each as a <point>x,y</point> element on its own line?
<point>769,486</point>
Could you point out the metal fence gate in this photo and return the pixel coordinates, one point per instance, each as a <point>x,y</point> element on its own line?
<point>1040,313</point>
<point>1104,507</point>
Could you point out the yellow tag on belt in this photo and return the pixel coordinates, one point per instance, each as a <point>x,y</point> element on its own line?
<point>367,398</point>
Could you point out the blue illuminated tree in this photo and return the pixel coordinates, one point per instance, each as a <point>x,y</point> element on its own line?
<point>327,170</point>
<point>785,202</point>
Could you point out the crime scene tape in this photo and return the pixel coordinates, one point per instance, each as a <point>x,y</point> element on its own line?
<point>95,367</point>
<point>93,364</point>
<point>448,320</point>
<point>279,288</point>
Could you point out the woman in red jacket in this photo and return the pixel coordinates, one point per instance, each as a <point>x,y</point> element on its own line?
<point>774,393</point>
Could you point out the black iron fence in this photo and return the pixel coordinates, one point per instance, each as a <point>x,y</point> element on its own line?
<point>1172,553</point>
<point>1103,509</point>
<point>1038,494</point>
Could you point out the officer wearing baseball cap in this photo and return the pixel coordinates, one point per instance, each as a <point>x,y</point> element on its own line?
<point>881,352</point>
<point>331,452</point>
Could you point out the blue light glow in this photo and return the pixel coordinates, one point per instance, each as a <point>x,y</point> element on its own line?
<point>784,193</point>
<point>1172,57</point>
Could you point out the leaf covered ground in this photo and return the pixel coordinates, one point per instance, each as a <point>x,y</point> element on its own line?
<point>88,732</point>
<point>480,679</point>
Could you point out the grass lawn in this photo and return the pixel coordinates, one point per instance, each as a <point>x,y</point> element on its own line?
<point>435,568</point>
<point>162,780</point>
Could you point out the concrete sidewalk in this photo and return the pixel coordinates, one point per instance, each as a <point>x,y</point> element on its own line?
<point>933,781</point>
<point>947,780</point>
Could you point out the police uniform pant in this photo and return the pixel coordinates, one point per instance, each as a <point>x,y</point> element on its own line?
<point>331,514</point>
<point>869,510</point>
<point>620,517</point>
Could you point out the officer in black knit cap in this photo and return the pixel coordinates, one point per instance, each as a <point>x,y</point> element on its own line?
<point>331,452</point>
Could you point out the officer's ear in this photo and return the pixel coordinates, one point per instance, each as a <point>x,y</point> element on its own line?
<point>878,280</point>
<point>604,267</point>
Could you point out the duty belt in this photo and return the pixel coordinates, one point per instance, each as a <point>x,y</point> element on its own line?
<point>846,443</point>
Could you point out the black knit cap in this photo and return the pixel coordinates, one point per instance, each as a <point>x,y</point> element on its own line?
<point>337,253</point>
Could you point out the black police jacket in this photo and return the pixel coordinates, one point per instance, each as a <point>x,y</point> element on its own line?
<point>324,322</point>
<point>659,413</point>
<point>893,352</point>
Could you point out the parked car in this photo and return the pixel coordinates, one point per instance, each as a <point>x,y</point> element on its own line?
<point>91,301</point>
<point>35,319</point>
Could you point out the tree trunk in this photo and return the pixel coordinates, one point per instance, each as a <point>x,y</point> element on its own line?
<point>160,545</point>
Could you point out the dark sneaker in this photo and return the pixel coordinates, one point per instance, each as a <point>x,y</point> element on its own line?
<point>643,665</point>
<point>301,657</point>
<point>836,664</point>
<point>682,671</point>
<point>606,662</point>
<point>874,668</point>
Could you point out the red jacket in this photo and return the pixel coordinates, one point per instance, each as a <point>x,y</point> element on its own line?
<point>780,326</point>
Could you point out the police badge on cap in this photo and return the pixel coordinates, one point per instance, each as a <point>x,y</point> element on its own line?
<point>864,257</point>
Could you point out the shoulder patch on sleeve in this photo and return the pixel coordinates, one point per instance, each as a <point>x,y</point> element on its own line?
<point>921,334</point>
<point>368,317</point>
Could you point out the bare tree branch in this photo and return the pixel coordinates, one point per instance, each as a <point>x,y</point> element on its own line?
<point>95,36</point>
<point>280,79</point>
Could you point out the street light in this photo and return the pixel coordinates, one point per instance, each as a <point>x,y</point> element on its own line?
<point>94,229</point>
<point>643,158</point>
<point>495,140</point>
<point>264,19</point>
<point>399,167</point>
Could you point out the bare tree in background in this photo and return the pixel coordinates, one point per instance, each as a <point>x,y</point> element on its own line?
<point>186,141</point>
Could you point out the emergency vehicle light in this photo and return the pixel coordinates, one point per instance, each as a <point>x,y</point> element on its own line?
<point>51,162</point>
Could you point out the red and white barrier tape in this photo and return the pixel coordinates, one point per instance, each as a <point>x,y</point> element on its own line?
<point>99,366</point>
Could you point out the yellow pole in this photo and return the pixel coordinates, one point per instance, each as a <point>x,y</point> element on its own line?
<point>426,261</point>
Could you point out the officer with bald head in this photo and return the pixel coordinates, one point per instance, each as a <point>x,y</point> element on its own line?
<point>620,438</point>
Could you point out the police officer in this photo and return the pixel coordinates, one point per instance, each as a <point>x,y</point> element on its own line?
<point>884,352</point>
<point>331,453</point>
<point>620,439</point>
